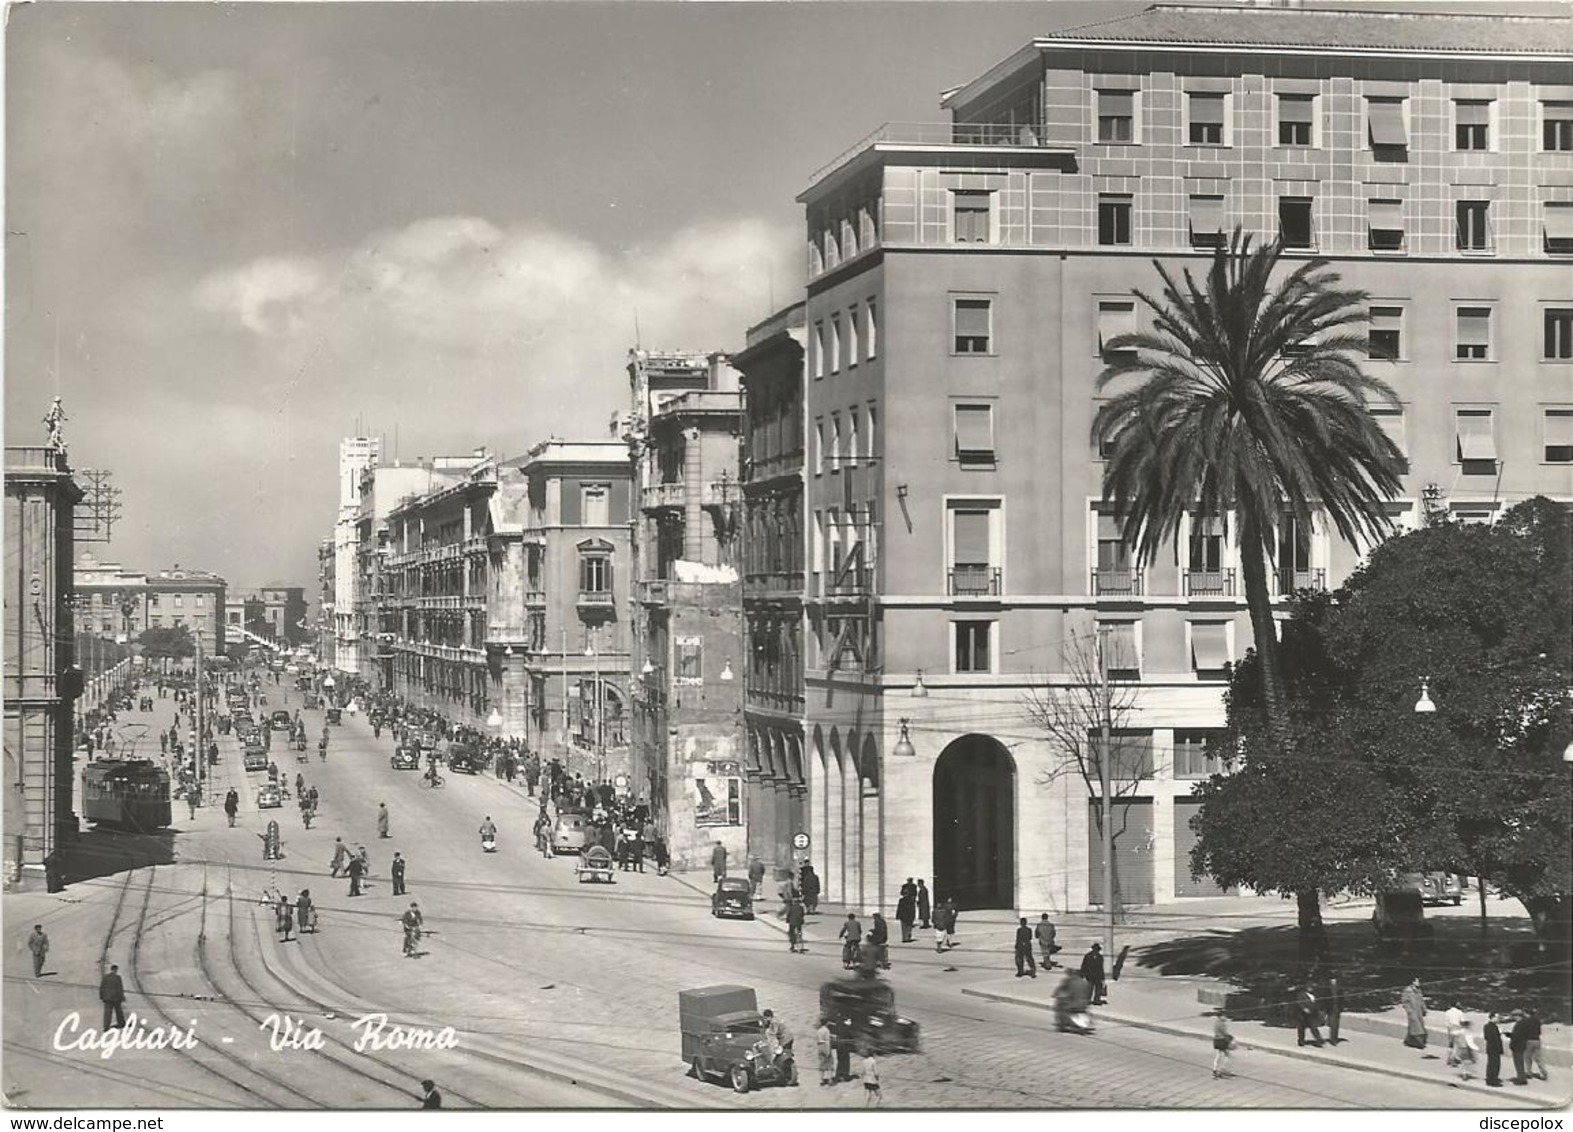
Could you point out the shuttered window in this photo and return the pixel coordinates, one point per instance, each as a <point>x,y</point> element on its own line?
<point>1559,436</point>
<point>1391,422</point>
<point>1133,851</point>
<point>1121,656</point>
<point>1386,118</point>
<point>975,432</point>
<point>1476,437</point>
<point>1474,334</point>
<point>1116,113</point>
<point>1209,646</point>
<point>1184,839</point>
<point>1294,119</point>
<point>973,318</point>
<point>1206,214</point>
<point>1559,228</point>
<point>1207,112</point>
<point>1385,220</point>
<point>970,538</point>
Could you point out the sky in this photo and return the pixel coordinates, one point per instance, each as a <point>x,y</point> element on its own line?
<point>238,233</point>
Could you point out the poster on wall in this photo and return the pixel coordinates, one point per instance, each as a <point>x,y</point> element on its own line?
<point>718,794</point>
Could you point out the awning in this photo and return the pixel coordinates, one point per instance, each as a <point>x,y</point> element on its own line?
<point>1476,438</point>
<point>1391,422</point>
<point>1207,109</point>
<point>1386,215</point>
<point>972,318</point>
<point>1295,108</point>
<point>1115,103</point>
<point>1206,214</point>
<point>1474,326</point>
<point>1210,645</point>
<point>974,428</point>
<point>1472,113</point>
<point>1115,317</point>
<point>1559,428</point>
<point>1387,123</point>
<point>1559,221</point>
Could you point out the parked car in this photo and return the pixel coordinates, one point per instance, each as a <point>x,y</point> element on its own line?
<point>1400,916</point>
<point>335,715</point>
<point>270,797</point>
<point>405,758</point>
<point>733,898</point>
<point>724,1037</point>
<point>571,834</point>
<point>1434,888</point>
<point>281,721</point>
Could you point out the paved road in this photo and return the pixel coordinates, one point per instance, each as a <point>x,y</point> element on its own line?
<point>527,964</point>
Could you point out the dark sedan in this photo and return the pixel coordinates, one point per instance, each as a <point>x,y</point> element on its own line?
<point>406,758</point>
<point>733,899</point>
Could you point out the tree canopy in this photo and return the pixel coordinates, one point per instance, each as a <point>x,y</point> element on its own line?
<point>172,643</point>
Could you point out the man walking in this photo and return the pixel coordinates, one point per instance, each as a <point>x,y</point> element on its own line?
<point>1045,933</point>
<point>794,920</point>
<point>1092,971</point>
<point>341,854</point>
<point>382,819</point>
<point>1024,963</point>
<point>231,806</point>
<point>112,993</point>
<point>38,944</point>
<point>1534,1060</point>
<point>923,904</point>
<point>907,910</point>
<point>397,869</point>
<point>718,862</point>
<point>756,876</point>
<point>1493,1033</point>
<point>357,871</point>
<point>809,885</point>
<point>825,1048</point>
<point>1305,1015</point>
<point>412,921</point>
<point>1453,1020</point>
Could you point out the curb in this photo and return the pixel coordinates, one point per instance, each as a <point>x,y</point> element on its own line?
<point>1262,1047</point>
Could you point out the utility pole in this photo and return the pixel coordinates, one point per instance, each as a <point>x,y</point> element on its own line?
<point>1105,741</point>
<point>562,730</point>
<point>202,758</point>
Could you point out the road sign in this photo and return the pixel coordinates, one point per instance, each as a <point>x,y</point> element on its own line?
<point>800,841</point>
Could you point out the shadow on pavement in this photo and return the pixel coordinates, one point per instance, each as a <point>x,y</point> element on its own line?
<point>1506,969</point>
<point>102,852</point>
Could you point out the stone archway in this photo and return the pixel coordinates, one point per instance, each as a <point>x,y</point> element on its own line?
<point>975,824</point>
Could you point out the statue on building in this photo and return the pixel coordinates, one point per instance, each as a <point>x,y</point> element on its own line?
<point>52,421</point>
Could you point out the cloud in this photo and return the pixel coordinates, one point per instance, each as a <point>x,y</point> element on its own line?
<point>268,296</point>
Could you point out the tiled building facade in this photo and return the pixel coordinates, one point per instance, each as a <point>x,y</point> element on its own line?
<point>962,280</point>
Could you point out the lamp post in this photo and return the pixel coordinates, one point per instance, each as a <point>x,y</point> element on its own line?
<point>1105,739</point>
<point>595,696</point>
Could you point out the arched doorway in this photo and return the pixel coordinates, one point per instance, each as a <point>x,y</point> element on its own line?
<point>975,824</point>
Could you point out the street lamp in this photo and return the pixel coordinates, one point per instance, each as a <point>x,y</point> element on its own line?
<point>1424,705</point>
<point>919,691</point>
<point>726,671</point>
<point>903,748</point>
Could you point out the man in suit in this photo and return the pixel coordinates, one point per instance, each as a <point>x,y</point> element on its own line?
<point>112,993</point>
<point>397,869</point>
<point>1092,971</point>
<point>1305,1015</point>
<point>1493,1034</point>
<point>1025,964</point>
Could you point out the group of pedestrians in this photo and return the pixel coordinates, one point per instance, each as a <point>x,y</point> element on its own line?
<point>1463,1048</point>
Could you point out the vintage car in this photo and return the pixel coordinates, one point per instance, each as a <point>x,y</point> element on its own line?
<point>335,715</point>
<point>426,740</point>
<point>868,1004</point>
<point>1400,916</point>
<point>595,864</point>
<point>733,898</point>
<point>1434,888</point>
<point>255,759</point>
<point>571,834</point>
<point>405,758</point>
<point>724,1038</point>
<point>270,797</point>
<point>281,721</point>
<point>465,759</point>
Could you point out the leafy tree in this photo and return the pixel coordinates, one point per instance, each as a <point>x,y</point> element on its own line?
<point>172,643</point>
<point>1250,399</point>
<point>1370,788</point>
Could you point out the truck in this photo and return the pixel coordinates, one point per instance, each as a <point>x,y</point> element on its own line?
<point>724,1039</point>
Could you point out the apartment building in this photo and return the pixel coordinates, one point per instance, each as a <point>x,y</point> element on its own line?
<point>324,623</point>
<point>194,599</point>
<point>688,754</point>
<point>964,277</point>
<point>356,454</point>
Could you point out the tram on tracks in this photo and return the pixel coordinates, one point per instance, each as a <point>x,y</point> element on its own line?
<point>126,793</point>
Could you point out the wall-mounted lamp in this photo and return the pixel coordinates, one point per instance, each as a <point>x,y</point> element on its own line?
<point>647,670</point>
<point>726,671</point>
<point>919,691</point>
<point>494,719</point>
<point>903,748</point>
<point>1424,705</point>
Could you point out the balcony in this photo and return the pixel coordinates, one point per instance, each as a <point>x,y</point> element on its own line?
<point>857,582</point>
<point>973,581</point>
<point>507,636</point>
<point>775,582</point>
<point>662,496</point>
<point>939,134</point>
<point>1290,581</point>
<point>1117,583</point>
<point>1209,583</point>
<point>534,599</point>
<point>475,544</point>
<point>475,601</point>
<point>597,599</point>
<point>440,601</point>
<point>652,591</point>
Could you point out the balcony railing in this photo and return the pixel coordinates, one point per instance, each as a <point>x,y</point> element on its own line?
<point>597,597</point>
<point>942,133</point>
<point>854,583</point>
<point>534,599</point>
<point>974,581</point>
<point>790,581</point>
<point>1291,580</point>
<point>652,591</point>
<point>1209,583</point>
<point>1120,583</point>
<point>661,496</point>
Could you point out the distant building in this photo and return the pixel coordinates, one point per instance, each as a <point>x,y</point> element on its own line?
<point>42,681</point>
<point>194,599</point>
<point>688,756</point>
<point>325,623</point>
<point>356,454</point>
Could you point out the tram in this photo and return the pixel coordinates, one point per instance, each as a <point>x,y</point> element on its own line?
<point>130,793</point>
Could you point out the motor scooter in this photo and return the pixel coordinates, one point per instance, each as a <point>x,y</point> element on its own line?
<point>489,842</point>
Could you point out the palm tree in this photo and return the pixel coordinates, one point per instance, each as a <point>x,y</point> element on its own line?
<point>1251,400</point>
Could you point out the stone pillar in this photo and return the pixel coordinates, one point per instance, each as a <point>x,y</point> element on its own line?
<point>817,809</point>
<point>852,832</point>
<point>834,873</point>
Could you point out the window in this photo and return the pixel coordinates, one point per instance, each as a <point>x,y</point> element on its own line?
<point>1477,443</point>
<point>832,251</point>
<point>202,601</point>
<point>852,336</point>
<point>1295,114</point>
<point>1474,232</point>
<point>1391,421</point>
<point>595,573</point>
<point>1190,752</point>
<point>1114,220</point>
<point>595,504</point>
<point>1115,317</point>
<point>1130,754</point>
<point>1386,333</point>
<point>1387,131</point>
<point>1471,124</point>
<point>1385,225</point>
<point>1206,549</point>
<point>970,216</point>
<point>1116,116</point>
<point>1112,571</point>
<point>821,347</point>
<point>835,442</point>
<point>1294,222</point>
<point>1559,334</point>
<point>974,433</point>
<point>1558,425</point>
<point>1206,221</point>
<point>179,601</point>
<point>972,570</point>
<point>1121,656</point>
<point>870,434</point>
<point>819,446</point>
<point>689,653</point>
<point>1558,224</point>
<point>1210,648</point>
<point>1556,131</point>
<point>852,437</point>
<point>1206,115</point>
<point>972,645</point>
<point>1474,334</point>
<point>972,319</point>
<point>835,343</point>
<point>871,339</point>
<point>849,238</point>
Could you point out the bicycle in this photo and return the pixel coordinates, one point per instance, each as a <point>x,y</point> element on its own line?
<point>433,780</point>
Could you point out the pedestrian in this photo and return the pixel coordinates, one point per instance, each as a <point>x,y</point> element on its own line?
<point>286,918</point>
<point>191,801</point>
<point>1024,963</point>
<point>231,806</point>
<point>718,861</point>
<point>845,1039</point>
<point>312,793</point>
<point>305,912</point>
<point>1223,1043</point>
<point>1045,933</point>
<point>1493,1033</point>
<point>430,1098</point>
<point>357,870</point>
<point>382,819</point>
<point>879,940</point>
<point>808,884</point>
<point>794,920</point>
<point>412,921</point>
<point>939,929</point>
<point>341,855</point>
<point>1466,1049</point>
<point>112,993</point>
<point>870,1074</point>
<point>1305,1015</point>
<point>1414,1003</point>
<point>38,944</point>
<point>952,915</point>
<point>1534,1059</point>
<point>756,876</point>
<point>907,910</point>
<point>1453,1025</point>
<point>825,1048</point>
<point>923,904</point>
<point>851,932</point>
<point>397,870</point>
<point>1092,971</point>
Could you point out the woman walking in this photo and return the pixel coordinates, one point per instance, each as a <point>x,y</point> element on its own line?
<point>1223,1042</point>
<point>1414,1004</point>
